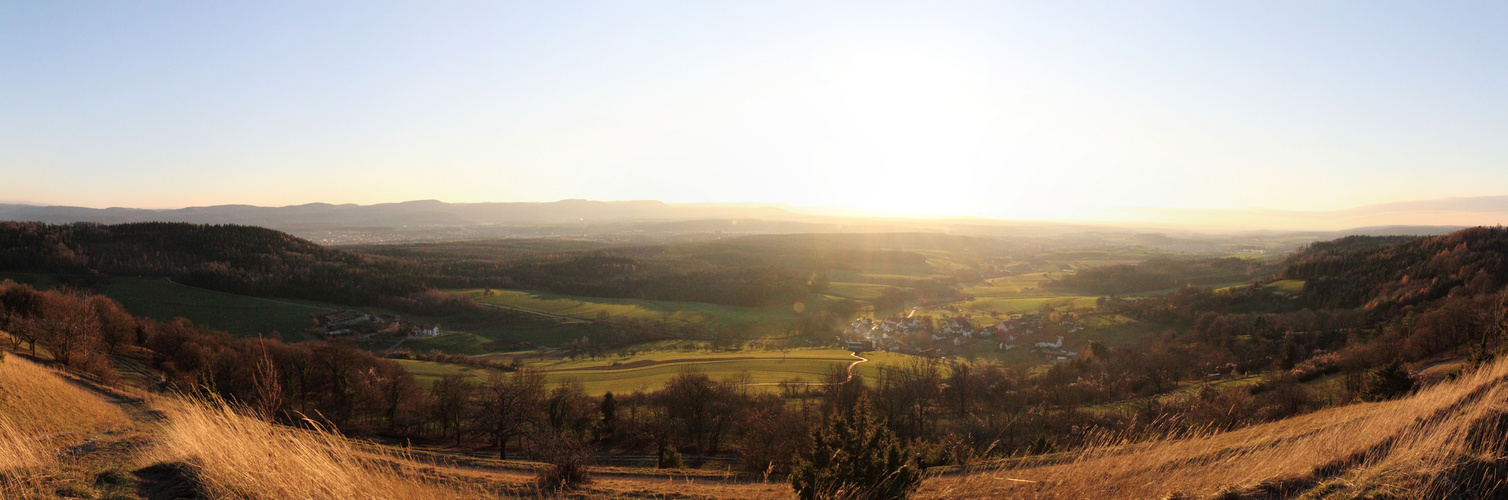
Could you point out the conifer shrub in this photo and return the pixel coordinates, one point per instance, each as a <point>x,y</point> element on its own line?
<point>855,457</point>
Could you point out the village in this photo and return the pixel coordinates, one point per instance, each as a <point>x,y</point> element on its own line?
<point>1043,334</point>
<point>365,326</point>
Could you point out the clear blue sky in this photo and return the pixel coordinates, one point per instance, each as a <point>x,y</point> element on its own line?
<point>1046,109</point>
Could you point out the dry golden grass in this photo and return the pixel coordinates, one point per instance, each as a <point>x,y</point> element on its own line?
<point>40,412</point>
<point>234,456</point>
<point>1408,448</point>
<point>41,401</point>
<point>18,449</point>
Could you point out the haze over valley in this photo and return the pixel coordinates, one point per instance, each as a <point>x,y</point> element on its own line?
<point>600,250</point>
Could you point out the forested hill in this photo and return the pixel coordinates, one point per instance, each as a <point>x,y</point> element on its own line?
<point>1387,274</point>
<point>239,259</point>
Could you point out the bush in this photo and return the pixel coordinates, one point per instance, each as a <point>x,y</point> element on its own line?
<point>855,457</point>
<point>99,366</point>
<point>1387,382</point>
<point>670,458</point>
<point>566,459</point>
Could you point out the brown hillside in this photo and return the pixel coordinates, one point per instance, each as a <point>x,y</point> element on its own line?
<point>1440,443</point>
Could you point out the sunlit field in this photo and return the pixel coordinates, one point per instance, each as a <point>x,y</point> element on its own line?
<point>714,317</point>
<point>650,370</point>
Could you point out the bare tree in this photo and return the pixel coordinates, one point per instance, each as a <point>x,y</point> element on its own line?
<point>453,404</point>
<point>70,327</point>
<point>510,406</point>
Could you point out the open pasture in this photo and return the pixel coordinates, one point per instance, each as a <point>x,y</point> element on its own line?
<point>856,291</point>
<point>1285,287</point>
<point>714,317</point>
<point>239,315</point>
<point>244,316</point>
<point>650,370</point>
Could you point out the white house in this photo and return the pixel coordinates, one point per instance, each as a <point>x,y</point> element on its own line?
<point>1054,345</point>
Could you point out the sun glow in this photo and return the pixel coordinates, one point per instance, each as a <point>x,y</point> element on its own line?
<point>904,128</point>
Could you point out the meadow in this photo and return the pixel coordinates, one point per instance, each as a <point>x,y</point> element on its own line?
<point>713,317</point>
<point>243,316</point>
<point>649,370</point>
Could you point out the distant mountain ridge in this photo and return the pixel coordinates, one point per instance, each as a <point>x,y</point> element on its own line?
<point>426,220</point>
<point>1445,212</point>
<point>409,213</point>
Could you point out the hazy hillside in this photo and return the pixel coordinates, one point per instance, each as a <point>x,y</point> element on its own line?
<point>240,259</point>
<point>1395,272</point>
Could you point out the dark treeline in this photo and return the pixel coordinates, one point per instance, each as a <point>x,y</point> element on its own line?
<point>688,272</point>
<point>1161,273</point>
<point>1390,274</point>
<point>745,271</point>
<point>237,259</point>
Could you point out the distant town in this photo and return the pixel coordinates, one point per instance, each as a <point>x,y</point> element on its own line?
<point>1044,334</point>
<point>365,326</point>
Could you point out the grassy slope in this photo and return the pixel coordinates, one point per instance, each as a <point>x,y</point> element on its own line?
<point>42,413</point>
<point>1395,449</point>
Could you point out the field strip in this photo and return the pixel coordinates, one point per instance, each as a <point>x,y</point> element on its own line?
<point>851,366</point>
<point>542,313</point>
<point>170,280</point>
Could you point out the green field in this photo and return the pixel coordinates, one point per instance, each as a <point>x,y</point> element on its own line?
<point>248,316</point>
<point>164,300</point>
<point>1285,287</point>
<point>715,317</point>
<point>243,316</point>
<point>39,281</point>
<point>856,291</point>
<point>650,370</point>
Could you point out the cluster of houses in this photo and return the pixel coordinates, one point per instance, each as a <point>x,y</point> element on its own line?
<point>1035,332</point>
<point>364,326</point>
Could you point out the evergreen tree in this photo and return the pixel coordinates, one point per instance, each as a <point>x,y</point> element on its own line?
<point>855,456</point>
<point>1387,382</point>
<point>609,409</point>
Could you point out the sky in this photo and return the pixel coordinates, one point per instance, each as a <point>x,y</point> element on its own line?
<point>1051,110</point>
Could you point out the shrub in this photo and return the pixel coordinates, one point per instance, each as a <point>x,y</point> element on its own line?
<point>670,458</point>
<point>856,457</point>
<point>567,459</point>
<point>1387,382</point>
